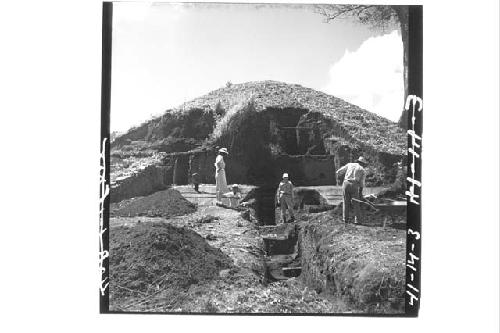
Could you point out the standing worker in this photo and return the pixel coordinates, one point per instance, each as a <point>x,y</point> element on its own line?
<point>284,197</point>
<point>352,187</point>
<point>195,179</point>
<point>220,175</point>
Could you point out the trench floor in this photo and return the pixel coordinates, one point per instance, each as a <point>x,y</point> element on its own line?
<point>332,193</point>
<point>240,289</point>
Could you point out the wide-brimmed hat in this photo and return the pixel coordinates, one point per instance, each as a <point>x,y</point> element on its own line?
<point>223,150</point>
<point>285,175</point>
<point>362,160</point>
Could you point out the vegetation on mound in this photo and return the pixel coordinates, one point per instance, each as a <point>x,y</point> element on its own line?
<point>167,203</point>
<point>219,105</point>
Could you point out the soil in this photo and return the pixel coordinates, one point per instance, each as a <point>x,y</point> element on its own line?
<point>363,265</point>
<point>145,257</point>
<point>212,260</point>
<point>167,203</point>
<point>149,265</point>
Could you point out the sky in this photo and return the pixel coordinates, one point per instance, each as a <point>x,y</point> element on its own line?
<point>167,54</point>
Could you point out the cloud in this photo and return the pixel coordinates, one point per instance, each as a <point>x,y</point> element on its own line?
<point>372,76</point>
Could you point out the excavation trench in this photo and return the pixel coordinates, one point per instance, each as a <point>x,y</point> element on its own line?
<point>265,205</point>
<point>279,241</point>
<point>362,264</point>
<point>281,259</point>
<point>332,258</point>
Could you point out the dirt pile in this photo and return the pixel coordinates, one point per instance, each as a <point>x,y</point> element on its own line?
<point>149,258</point>
<point>363,265</point>
<point>167,203</point>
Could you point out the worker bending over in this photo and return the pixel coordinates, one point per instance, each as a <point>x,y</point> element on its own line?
<point>284,198</point>
<point>234,196</point>
<point>352,187</point>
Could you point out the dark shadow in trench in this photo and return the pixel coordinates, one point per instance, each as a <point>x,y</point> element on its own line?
<point>265,209</point>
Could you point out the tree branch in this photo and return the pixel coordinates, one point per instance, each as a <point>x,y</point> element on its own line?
<point>349,8</point>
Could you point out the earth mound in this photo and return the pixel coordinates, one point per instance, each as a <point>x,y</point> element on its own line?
<point>148,258</point>
<point>202,116</point>
<point>167,203</point>
<point>269,128</point>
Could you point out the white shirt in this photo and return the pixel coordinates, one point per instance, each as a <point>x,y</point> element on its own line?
<point>219,163</point>
<point>354,172</point>
<point>285,188</point>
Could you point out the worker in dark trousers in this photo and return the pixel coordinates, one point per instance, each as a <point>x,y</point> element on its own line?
<point>352,187</point>
<point>195,178</point>
<point>284,197</point>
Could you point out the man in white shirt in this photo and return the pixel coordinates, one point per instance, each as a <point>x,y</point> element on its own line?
<point>284,197</point>
<point>352,187</point>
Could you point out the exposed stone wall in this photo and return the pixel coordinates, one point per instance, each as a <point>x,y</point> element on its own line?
<point>382,169</point>
<point>283,133</point>
<point>309,137</point>
<point>307,169</point>
<point>181,170</point>
<point>262,144</point>
<point>151,179</point>
<point>178,168</point>
<point>202,163</point>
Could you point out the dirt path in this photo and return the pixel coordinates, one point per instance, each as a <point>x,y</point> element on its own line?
<point>241,288</point>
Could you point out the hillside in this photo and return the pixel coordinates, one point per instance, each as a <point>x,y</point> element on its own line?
<point>362,125</point>
<point>269,127</point>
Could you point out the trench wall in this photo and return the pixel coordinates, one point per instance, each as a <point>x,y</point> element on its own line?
<point>263,145</point>
<point>151,179</point>
<point>382,169</point>
<point>306,169</point>
<point>362,265</point>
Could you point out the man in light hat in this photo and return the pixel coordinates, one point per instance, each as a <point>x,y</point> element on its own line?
<point>234,196</point>
<point>352,187</point>
<point>284,196</point>
<point>220,175</point>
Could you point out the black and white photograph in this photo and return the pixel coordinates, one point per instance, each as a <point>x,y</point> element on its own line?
<point>243,166</point>
<point>246,166</point>
<point>258,159</point>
